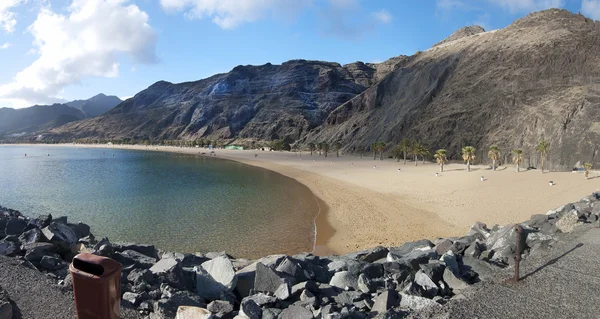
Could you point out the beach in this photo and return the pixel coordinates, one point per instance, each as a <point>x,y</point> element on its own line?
<point>366,202</point>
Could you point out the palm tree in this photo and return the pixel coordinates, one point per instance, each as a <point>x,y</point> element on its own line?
<point>587,166</point>
<point>518,157</point>
<point>397,152</point>
<point>424,152</point>
<point>325,148</point>
<point>440,157</point>
<point>405,147</point>
<point>311,147</point>
<point>494,154</point>
<point>320,147</point>
<point>361,150</point>
<point>337,147</point>
<point>417,149</point>
<point>374,149</point>
<point>381,148</point>
<point>543,148</point>
<point>468,154</point>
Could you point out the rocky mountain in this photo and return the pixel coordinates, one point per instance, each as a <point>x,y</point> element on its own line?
<point>461,33</point>
<point>45,117</point>
<point>535,79</point>
<point>96,105</point>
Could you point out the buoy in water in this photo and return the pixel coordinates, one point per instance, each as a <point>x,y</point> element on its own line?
<point>25,154</point>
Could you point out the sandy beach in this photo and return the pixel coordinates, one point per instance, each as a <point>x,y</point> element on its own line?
<point>371,202</point>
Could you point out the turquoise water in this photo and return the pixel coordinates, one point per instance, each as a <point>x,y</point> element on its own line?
<point>182,203</point>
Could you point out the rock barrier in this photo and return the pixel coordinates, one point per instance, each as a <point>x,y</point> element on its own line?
<point>380,282</point>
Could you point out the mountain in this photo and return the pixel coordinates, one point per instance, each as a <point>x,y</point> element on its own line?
<point>535,79</point>
<point>96,105</point>
<point>36,118</point>
<point>45,117</point>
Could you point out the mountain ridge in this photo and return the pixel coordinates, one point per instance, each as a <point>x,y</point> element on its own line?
<point>532,80</point>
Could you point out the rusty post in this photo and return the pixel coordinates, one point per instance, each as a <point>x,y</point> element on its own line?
<point>519,231</point>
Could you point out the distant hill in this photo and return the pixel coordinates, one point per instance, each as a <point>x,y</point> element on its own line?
<point>46,117</point>
<point>96,105</point>
<point>535,79</point>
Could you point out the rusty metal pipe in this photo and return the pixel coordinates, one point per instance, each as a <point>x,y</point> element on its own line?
<point>519,231</point>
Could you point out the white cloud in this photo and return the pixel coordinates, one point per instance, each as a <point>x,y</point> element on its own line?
<point>527,5</point>
<point>6,45</point>
<point>591,8</point>
<point>7,16</point>
<point>88,41</point>
<point>382,16</point>
<point>229,14</point>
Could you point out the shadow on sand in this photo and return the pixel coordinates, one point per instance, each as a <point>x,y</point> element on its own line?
<point>552,261</point>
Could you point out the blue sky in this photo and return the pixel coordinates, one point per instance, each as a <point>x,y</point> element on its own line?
<point>59,50</point>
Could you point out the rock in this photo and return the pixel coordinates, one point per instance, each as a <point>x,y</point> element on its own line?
<point>411,246</point>
<point>373,271</point>
<point>220,307</point>
<point>296,312</point>
<point>215,277</point>
<point>342,264</point>
<point>147,250</point>
<point>187,312</point>
<point>416,303</point>
<point>365,284</point>
<point>44,220</point>
<point>385,301</point>
<point>192,260</point>
<point>479,228</point>
<point>266,279</point>
<point>537,237</point>
<point>475,249</point>
<point>271,313</point>
<point>567,222</point>
<point>347,297</point>
<point>344,279</point>
<point>250,309</point>
<point>61,219</point>
<point>36,251</point>
<point>449,259</point>
<point>170,270</point>
<point>262,299</point>
<point>60,233</point>
<point>415,258</point>
<point>429,288</point>
<point>137,276</point>
<point>443,246</point>
<point>247,274</point>
<point>81,230</point>
<point>8,248</point>
<point>369,255</point>
<point>456,284</point>
<point>308,285</point>
<point>31,236</point>
<point>289,267</point>
<point>213,255</point>
<point>186,298</point>
<point>459,246</point>
<point>483,269</point>
<point>15,226</point>
<point>133,298</point>
<point>104,248</point>
<point>433,270</point>
<point>134,258</point>
<point>537,221</point>
<point>5,310</point>
<point>51,263</point>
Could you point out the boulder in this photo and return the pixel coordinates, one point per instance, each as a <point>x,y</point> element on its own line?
<point>43,220</point>
<point>220,307</point>
<point>385,301</point>
<point>36,251</point>
<point>15,226</point>
<point>415,258</point>
<point>369,255</point>
<point>483,269</point>
<point>456,284</point>
<point>192,260</point>
<point>170,270</point>
<point>61,219</point>
<point>567,223</point>
<point>289,267</point>
<point>433,270</point>
<point>271,313</point>
<point>308,300</point>
<point>148,250</point>
<point>134,258</point>
<point>306,285</point>
<point>475,249</point>
<point>81,230</point>
<point>429,288</point>
<point>261,299</point>
<point>266,279</point>
<point>479,228</point>
<point>534,238</point>
<point>342,264</point>
<point>365,284</point>
<point>416,303</point>
<point>347,297</point>
<point>372,271</point>
<point>250,309</point>
<point>104,248</point>
<point>247,274</point>
<point>60,233</point>
<point>187,312</point>
<point>31,236</point>
<point>296,312</point>
<point>8,248</point>
<point>137,276</point>
<point>449,259</point>
<point>51,263</point>
<point>215,277</point>
<point>411,246</point>
<point>443,246</point>
<point>135,299</point>
<point>344,279</point>
<point>537,221</point>
<point>213,255</point>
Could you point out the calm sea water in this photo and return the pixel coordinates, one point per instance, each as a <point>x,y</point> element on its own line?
<point>182,203</point>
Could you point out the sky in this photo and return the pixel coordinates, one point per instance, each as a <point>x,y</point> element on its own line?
<point>52,51</point>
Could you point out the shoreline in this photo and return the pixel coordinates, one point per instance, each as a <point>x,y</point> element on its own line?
<point>369,203</point>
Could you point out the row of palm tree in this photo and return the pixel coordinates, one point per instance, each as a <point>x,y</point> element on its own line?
<point>324,148</point>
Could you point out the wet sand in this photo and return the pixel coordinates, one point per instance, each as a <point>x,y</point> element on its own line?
<point>366,202</point>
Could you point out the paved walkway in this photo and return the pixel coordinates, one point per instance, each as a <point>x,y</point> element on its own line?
<point>561,283</point>
<point>36,296</point>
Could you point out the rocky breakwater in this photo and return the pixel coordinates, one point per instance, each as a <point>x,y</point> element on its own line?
<point>381,282</point>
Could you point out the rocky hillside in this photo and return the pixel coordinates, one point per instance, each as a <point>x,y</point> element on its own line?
<point>45,117</point>
<point>535,79</point>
